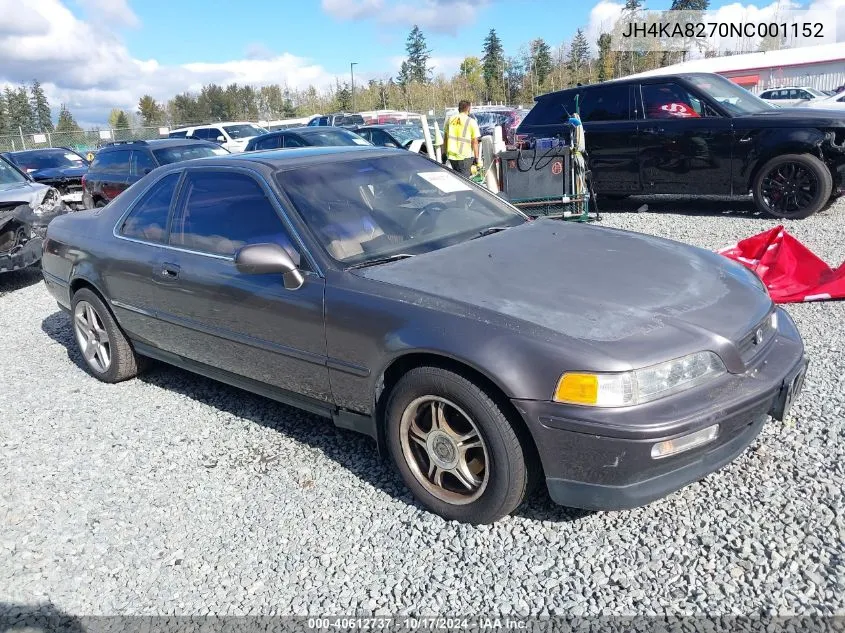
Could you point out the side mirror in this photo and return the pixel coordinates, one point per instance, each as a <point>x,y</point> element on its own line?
<point>265,259</point>
<point>220,139</point>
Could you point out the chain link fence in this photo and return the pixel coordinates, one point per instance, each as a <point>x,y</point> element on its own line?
<point>81,141</point>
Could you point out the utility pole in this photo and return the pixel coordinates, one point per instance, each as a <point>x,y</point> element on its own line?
<point>352,72</point>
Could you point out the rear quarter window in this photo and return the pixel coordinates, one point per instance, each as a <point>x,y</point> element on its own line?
<point>552,109</point>
<point>111,161</point>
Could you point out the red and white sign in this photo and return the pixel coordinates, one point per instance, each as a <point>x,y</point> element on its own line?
<point>557,168</point>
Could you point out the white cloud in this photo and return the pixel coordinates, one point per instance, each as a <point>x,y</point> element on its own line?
<point>442,16</point>
<point>111,12</point>
<point>602,18</point>
<point>91,70</point>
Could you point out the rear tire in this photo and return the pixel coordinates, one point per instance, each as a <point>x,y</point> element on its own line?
<point>792,186</point>
<point>470,465</point>
<point>106,352</point>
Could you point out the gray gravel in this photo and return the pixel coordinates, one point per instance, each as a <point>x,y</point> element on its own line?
<point>172,494</point>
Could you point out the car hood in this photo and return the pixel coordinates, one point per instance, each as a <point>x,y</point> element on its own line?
<point>31,193</point>
<point>598,285</point>
<point>801,117</point>
<point>57,173</point>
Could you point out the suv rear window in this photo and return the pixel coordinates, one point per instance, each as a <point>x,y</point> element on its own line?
<point>552,109</point>
<point>117,160</point>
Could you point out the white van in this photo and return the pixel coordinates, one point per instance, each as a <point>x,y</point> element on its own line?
<point>232,135</point>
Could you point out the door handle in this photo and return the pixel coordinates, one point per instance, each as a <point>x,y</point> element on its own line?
<point>169,271</point>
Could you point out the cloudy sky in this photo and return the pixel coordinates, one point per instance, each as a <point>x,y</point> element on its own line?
<point>98,54</point>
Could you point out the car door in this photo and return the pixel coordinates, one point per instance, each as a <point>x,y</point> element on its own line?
<point>685,144</point>
<point>246,324</point>
<point>130,277</point>
<point>610,133</point>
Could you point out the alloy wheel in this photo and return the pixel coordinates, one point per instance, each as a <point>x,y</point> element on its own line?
<point>92,337</point>
<point>789,187</point>
<point>444,450</point>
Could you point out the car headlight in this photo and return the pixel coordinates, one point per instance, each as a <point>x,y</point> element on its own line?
<point>624,389</point>
<point>51,200</point>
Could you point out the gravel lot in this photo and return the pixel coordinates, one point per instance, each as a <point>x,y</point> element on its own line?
<point>172,494</point>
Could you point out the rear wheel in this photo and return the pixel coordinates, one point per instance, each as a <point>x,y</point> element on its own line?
<point>107,353</point>
<point>792,186</point>
<point>455,448</point>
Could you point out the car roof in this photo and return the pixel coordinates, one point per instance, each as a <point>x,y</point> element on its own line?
<point>156,144</point>
<point>624,80</point>
<point>21,152</point>
<point>282,159</point>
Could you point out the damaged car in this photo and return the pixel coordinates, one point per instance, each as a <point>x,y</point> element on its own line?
<point>699,134</point>
<point>58,167</point>
<point>26,208</point>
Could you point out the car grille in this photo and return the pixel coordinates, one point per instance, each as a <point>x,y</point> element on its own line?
<point>757,339</point>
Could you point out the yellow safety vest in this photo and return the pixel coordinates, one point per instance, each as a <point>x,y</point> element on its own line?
<point>459,133</point>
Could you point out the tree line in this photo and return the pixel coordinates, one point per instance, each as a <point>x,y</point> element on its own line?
<point>492,76</point>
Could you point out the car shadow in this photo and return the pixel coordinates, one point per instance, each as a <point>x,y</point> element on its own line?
<point>19,279</point>
<point>37,618</point>
<point>353,451</point>
<point>682,205</point>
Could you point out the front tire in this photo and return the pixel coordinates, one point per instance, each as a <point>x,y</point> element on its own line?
<point>792,186</point>
<point>107,353</point>
<point>455,448</point>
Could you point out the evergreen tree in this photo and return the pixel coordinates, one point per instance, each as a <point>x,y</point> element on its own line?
<point>19,110</point>
<point>418,55</point>
<point>493,64</point>
<point>4,123</point>
<point>632,6</point>
<point>404,76</point>
<point>42,117</point>
<point>66,122</point>
<point>343,96</point>
<point>122,122</point>
<point>605,61</point>
<point>690,5</point>
<point>541,57</point>
<point>150,111</point>
<point>579,55</point>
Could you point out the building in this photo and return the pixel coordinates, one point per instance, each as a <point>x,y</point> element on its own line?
<point>821,67</point>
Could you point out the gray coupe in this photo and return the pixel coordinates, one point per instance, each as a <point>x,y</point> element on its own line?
<point>483,351</point>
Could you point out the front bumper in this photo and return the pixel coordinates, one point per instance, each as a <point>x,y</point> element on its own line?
<point>600,459</point>
<point>28,255</point>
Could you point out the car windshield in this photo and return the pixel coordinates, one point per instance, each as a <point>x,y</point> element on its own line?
<point>407,133</point>
<point>815,93</point>
<point>333,138</point>
<point>734,98</point>
<point>167,155</point>
<point>9,175</point>
<point>245,130</point>
<point>47,159</point>
<point>366,209</point>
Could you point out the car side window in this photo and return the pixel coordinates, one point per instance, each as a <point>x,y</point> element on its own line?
<point>606,103</point>
<point>271,142</point>
<point>223,212</point>
<point>141,163</point>
<point>367,134</point>
<point>116,161</point>
<point>670,101</point>
<point>380,138</point>
<point>292,141</point>
<point>148,218</point>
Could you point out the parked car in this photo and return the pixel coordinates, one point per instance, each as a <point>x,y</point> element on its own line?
<point>231,135</point>
<point>305,137</point>
<point>834,102</point>
<point>26,208</point>
<point>377,288</point>
<point>508,118</point>
<point>59,167</point>
<point>791,95</point>
<point>338,119</point>
<point>404,135</point>
<point>117,166</point>
<point>700,134</point>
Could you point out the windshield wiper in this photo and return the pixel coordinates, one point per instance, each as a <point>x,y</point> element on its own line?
<point>381,260</point>
<point>489,231</point>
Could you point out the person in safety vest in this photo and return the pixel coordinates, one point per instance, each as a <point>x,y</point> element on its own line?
<point>461,147</point>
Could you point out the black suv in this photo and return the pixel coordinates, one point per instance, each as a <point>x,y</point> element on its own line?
<point>699,134</point>
<point>120,164</point>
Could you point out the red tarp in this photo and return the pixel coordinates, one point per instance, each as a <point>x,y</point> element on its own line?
<point>790,270</point>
